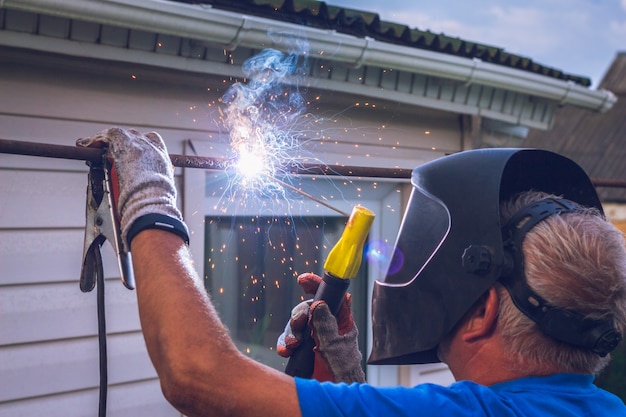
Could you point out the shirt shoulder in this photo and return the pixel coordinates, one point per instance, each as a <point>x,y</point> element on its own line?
<point>561,395</point>
<point>364,400</point>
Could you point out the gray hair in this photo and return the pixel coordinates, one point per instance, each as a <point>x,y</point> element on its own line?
<point>575,261</point>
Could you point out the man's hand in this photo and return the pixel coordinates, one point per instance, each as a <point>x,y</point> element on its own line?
<point>200,369</point>
<point>337,355</point>
<point>145,176</point>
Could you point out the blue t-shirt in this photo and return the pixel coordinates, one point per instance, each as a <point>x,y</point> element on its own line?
<point>561,395</point>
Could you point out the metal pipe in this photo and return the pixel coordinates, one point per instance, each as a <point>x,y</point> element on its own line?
<point>206,162</point>
<point>608,183</point>
<point>190,161</point>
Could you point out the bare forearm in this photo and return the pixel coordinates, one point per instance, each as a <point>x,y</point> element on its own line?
<point>200,368</point>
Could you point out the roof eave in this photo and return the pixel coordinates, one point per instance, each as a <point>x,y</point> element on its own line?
<point>231,30</point>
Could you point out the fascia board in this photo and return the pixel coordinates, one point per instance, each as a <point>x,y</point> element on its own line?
<point>231,30</point>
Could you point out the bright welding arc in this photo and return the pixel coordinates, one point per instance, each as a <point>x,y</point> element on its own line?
<point>262,115</point>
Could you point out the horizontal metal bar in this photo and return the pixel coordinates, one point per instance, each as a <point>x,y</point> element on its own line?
<point>608,183</point>
<point>190,161</point>
<point>205,162</point>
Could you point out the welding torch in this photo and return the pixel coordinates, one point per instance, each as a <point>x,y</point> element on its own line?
<point>341,265</point>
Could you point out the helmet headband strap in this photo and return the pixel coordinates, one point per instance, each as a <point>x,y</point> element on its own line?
<point>568,326</point>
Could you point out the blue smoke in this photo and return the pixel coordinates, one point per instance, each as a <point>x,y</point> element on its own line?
<point>263,110</point>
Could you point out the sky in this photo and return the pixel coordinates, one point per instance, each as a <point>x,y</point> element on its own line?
<point>579,37</point>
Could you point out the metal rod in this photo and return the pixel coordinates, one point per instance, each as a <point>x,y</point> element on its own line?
<point>205,162</point>
<point>307,195</point>
<point>190,161</point>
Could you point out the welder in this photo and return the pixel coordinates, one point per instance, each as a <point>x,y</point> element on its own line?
<point>505,269</point>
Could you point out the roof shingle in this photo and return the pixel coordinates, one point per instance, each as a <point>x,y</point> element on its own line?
<point>361,23</point>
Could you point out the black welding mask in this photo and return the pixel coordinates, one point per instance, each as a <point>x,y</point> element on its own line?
<point>449,249</point>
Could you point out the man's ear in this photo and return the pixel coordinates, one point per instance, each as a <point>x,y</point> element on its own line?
<point>482,320</point>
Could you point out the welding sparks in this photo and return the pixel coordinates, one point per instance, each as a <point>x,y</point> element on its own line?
<point>251,165</point>
<point>252,162</point>
<point>262,115</point>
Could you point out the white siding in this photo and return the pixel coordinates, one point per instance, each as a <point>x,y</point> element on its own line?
<point>48,327</point>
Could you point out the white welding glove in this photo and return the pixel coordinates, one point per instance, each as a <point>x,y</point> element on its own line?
<point>145,176</point>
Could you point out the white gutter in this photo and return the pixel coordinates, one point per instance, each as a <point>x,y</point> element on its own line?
<point>230,30</point>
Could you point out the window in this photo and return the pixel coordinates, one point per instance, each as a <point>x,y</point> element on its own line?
<point>251,265</point>
<point>255,245</point>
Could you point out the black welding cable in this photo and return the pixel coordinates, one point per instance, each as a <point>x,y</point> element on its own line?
<point>102,341</point>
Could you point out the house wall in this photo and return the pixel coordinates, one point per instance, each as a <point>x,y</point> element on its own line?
<point>48,327</point>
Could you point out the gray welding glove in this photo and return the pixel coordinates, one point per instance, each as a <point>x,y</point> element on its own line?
<point>144,173</point>
<point>337,354</point>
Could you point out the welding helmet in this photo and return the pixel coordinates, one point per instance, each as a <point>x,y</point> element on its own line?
<point>449,250</point>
